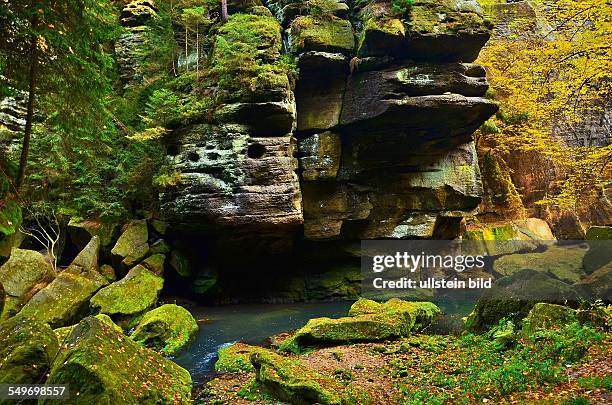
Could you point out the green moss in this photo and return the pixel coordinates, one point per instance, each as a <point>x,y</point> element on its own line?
<point>246,63</point>
<point>433,17</point>
<point>10,217</point>
<point>103,366</point>
<point>289,380</point>
<point>361,328</point>
<point>548,316</point>
<point>165,329</point>
<point>133,294</point>
<point>417,314</point>
<point>236,358</point>
<point>28,346</point>
<point>326,34</point>
<point>63,301</point>
<point>132,246</point>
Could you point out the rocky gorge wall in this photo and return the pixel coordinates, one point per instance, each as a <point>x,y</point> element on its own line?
<point>372,139</point>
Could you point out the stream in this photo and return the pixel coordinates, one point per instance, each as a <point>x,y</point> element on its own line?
<point>254,323</point>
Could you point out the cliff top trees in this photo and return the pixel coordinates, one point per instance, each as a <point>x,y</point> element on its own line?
<point>57,51</point>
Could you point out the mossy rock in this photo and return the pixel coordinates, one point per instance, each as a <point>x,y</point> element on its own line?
<point>445,31</point>
<point>548,316</point>
<point>28,346</point>
<point>512,297</point>
<point>102,366</point>
<point>246,60</point>
<point>132,246</point>
<point>10,217</point>
<point>159,247</point>
<point>289,380</point>
<point>564,263</point>
<point>64,332</point>
<point>419,314</point>
<point>155,264</point>
<point>236,358</point>
<point>82,230</point>
<point>86,262</point>
<point>165,329</point>
<point>381,36</point>
<point>362,328</point>
<point>324,34</point>
<point>132,295</point>
<point>23,270</point>
<point>65,300</point>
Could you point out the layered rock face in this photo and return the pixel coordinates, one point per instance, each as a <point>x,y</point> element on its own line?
<point>373,140</point>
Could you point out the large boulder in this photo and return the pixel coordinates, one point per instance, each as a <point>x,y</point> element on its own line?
<point>323,34</point>
<point>288,380</point>
<point>361,328</point>
<point>130,296</point>
<point>102,366</point>
<point>86,262</point>
<point>132,246</point>
<point>420,314</point>
<point>453,30</point>
<point>165,329</point>
<point>64,301</point>
<point>513,296</point>
<point>548,316</point>
<point>28,346</point>
<point>236,358</point>
<point>562,262</point>
<point>23,270</point>
<point>82,230</point>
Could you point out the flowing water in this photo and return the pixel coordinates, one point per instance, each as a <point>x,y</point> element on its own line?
<point>254,323</point>
<point>249,323</point>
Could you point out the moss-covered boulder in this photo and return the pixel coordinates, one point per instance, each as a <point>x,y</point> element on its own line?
<point>132,295</point>
<point>86,262</point>
<point>82,230</point>
<point>289,380</point>
<point>562,262</point>
<point>381,36</point>
<point>324,34</point>
<point>64,332</point>
<point>548,316</point>
<point>26,351</point>
<point>23,270</point>
<point>362,328</point>
<point>419,314</point>
<point>236,358</point>
<point>132,246</point>
<point>448,31</point>
<point>64,301</point>
<point>513,296</point>
<point>155,264</point>
<point>104,367</point>
<point>165,329</point>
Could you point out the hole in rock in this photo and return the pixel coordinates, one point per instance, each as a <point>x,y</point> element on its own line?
<point>256,151</point>
<point>194,157</point>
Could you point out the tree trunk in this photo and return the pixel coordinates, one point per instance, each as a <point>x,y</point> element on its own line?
<point>25,149</point>
<point>224,16</point>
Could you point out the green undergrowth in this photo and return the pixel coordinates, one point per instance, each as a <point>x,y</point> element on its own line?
<point>478,367</point>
